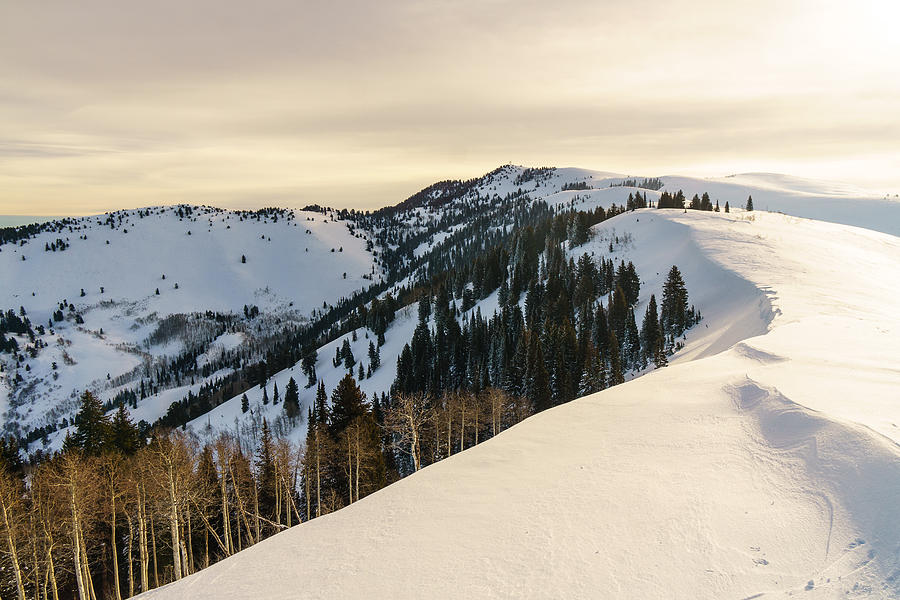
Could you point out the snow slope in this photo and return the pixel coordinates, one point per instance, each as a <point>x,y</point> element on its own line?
<point>823,201</point>
<point>289,273</point>
<point>764,462</point>
<point>295,262</point>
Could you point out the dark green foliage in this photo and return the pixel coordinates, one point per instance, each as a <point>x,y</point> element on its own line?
<point>675,317</point>
<point>347,355</point>
<point>265,474</point>
<point>347,403</point>
<point>92,428</point>
<point>292,399</point>
<point>123,434</point>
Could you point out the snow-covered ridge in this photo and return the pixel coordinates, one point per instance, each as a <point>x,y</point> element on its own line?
<point>296,263</point>
<point>762,463</point>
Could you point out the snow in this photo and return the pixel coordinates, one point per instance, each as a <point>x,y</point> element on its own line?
<point>763,462</point>
<point>823,201</point>
<point>288,273</point>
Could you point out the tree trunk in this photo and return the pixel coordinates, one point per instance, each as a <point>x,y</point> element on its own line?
<point>142,541</point>
<point>350,467</point>
<point>308,495</point>
<point>256,511</point>
<point>153,547</point>
<point>112,540</point>
<point>52,571</point>
<point>226,516</point>
<point>130,555</point>
<point>89,580</point>
<point>357,462</point>
<point>76,545</point>
<point>173,524</point>
<point>13,555</point>
<point>318,477</point>
<point>190,543</point>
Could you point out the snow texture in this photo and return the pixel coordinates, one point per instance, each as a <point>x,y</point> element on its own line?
<point>763,462</point>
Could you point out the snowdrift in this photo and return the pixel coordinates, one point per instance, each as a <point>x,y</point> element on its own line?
<point>763,462</point>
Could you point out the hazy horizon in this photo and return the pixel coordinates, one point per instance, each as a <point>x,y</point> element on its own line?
<point>105,105</point>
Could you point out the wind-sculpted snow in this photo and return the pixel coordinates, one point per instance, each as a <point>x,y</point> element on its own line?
<point>762,463</point>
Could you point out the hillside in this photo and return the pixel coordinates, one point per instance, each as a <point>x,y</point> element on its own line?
<point>125,273</point>
<point>763,462</point>
<point>158,349</point>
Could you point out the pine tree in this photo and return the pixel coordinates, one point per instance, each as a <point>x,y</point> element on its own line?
<point>727,208</point>
<point>594,377</point>
<point>650,331</point>
<point>674,304</point>
<point>347,403</point>
<point>616,374</point>
<point>374,356</point>
<point>308,365</point>
<point>245,403</point>
<point>749,203</point>
<point>123,434</point>
<point>292,399</point>
<point>275,397</point>
<point>321,409</point>
<point>659,353</point>
<point>265,474</point>
<point>538,378</point>
<point>92,430</point>
<point>265,398</point>
<point>347,355</point>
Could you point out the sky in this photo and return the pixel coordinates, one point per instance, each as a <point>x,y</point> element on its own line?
<point>107,104</point>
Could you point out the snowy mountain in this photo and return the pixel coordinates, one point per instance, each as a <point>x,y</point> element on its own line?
<point>763,462</point>
<point>292,266</point>
<point>123,276</point>
<point>777,407</point>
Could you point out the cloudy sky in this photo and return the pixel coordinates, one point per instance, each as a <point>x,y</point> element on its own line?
<point>108,104</point>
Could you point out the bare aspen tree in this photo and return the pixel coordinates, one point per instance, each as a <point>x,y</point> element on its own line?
<point>112,469</point>
<point>76,477</point>
<point>12,514</point>
<point>172,464</point>
<point>405,420</point>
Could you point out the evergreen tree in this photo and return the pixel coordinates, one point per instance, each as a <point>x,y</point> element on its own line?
<point>265,398</point>
<point>308,365</point>
<point>727,209</point>
<point>92,429</point>
<point>674,304</point>
<point>292,399</point>
<point>650,331</point>
<point>538,378</point>
<point>616,373</point>
<point>347,355</point>
<point>245,403</point>
<point>347,403</point>
<point>749,203</point>
<point>632,341</point>
<point>594,378</point>
<point>321,408</point>
<point>123,434</point>
<point>275,397</point>
<point>265,474</point>
<point>374,356</point>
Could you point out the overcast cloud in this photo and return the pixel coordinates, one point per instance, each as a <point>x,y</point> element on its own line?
<point>107,104</point>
